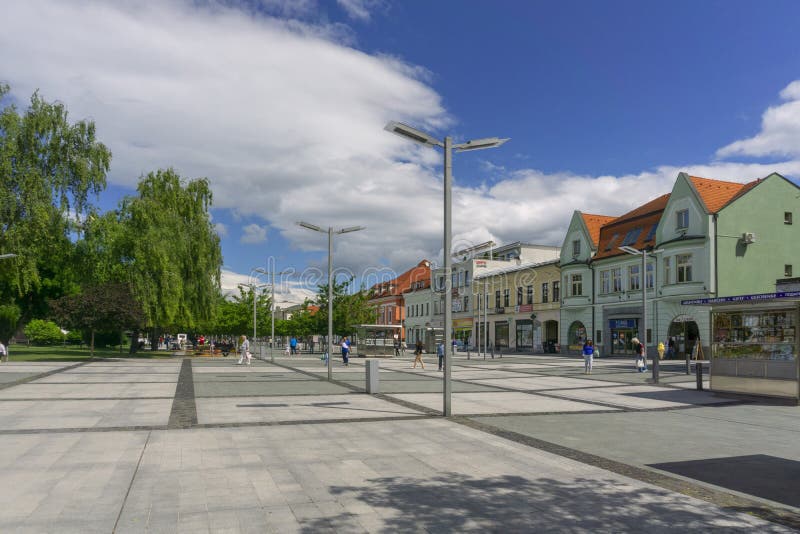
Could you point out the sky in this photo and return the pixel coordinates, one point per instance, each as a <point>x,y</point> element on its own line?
<point>281,105</point>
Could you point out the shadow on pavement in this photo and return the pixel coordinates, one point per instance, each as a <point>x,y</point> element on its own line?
<point>457,503</point>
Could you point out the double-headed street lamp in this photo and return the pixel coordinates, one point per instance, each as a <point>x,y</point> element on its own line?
<point>253,288</point>
<point>419,136</point>
<point>272,306</point>
<point>330,231</point>
<point>643,329</point>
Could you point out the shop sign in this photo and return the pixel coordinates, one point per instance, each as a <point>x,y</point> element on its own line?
<point>743,298</point>
<point>525,308</point>
<point>480,263</point>
<point>614,324</point>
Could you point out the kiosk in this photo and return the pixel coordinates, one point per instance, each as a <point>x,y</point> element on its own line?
<point>754,344</point>
<point>377,340</point>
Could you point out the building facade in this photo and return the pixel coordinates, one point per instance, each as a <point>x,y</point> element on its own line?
<point>388,297</point>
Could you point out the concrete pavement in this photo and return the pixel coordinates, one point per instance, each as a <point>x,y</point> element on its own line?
<point>203,445</point>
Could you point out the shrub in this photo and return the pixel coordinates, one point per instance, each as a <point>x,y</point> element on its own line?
<point>41,332</point>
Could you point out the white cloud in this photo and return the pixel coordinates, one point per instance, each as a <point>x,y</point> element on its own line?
<point>359,9</point>
<point>780,130</point>
<point>287,291</point>
<point>221,229</point>
<point>253,234</point>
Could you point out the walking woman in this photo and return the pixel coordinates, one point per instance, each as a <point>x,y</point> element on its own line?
<point>418,355</point>
<point>588,356</point>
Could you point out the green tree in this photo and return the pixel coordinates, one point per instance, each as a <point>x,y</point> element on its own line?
<point>9,317</point>
<point>49,169</point>
<point>349,309</point>
<point>107,308</point>
<point>41,332</point>
<point>170,251</point>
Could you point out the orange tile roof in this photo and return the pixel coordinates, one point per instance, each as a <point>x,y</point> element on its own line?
<point>593,224</point>
<point>716,194</point>
<point>401,284</point>
<point>636,225</point>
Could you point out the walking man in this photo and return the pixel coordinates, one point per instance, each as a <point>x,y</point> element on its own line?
<point>244,351</point>
<point>346,351</point>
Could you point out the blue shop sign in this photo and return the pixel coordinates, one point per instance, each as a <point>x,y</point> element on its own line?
<point>743,298</point>
<point>615,324</point>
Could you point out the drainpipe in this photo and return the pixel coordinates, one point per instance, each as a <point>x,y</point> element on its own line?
<point>594,296</point>
<point>716,256</point>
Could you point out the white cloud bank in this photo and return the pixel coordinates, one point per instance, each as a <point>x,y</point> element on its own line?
<point>253,234</point>
<point>286,120</point>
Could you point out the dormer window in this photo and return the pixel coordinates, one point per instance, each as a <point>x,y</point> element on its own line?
<point>682,220</point>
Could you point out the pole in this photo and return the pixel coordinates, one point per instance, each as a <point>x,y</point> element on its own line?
<point>272,332</point>
<point>485,319</point>
<point>644,314</point>
<point>254,287</point>
<point>330,302</point>
<point>448,282</point>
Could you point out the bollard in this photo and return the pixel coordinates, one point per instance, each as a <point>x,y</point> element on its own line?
<point>373,380</point>
<point>699,370</point>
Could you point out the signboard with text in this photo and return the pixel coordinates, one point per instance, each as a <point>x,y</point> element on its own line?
<point>742,298</point>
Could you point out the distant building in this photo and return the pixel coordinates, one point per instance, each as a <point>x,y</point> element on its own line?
<point>388,297</point>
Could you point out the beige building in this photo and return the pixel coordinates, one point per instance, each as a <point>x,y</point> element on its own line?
<point>523,306</point>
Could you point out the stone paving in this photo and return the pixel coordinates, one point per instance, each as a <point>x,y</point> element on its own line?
<point>204,445</point>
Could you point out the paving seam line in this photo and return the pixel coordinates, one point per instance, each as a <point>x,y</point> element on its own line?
<point>130,485</point>
<point>43,375</point>
<point>184,409</point>
<point>322,379</point>
<point>717,497</point>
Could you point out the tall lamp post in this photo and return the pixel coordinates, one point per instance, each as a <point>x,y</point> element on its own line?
<point>272,307</point>
<point>253,288</point>
<point>330,231</point>
<point>643,330</point>
<point>447,145</point>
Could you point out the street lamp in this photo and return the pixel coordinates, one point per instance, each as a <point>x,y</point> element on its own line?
<point>5,256</point>
<point>643,332</point>
<point>447,145</point>
<point>330,231</point>
<point>272,307</point>
<point>253,287</point>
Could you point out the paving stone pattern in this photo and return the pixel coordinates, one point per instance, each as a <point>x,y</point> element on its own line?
<point>205,445</point>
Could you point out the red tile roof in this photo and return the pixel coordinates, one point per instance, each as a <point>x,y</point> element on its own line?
<point>401,284</point>
<point>635,229</point>
<point>593,224</point>
<point>716,194</point>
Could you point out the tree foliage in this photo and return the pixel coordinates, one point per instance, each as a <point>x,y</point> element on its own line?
<point>9,317</point>
<point>41,332</point>
<point>49,169</point>
<point>349,309</point>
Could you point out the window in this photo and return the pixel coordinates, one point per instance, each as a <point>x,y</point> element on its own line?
<point>440,283</point>
<point>466,278</point>
<point>651,234</point>
<point>427,308</point>
<point>787,271</point>
<point>682,220</point>
<point>634,282</point>
<point>462,277</point>
<point>616,280</point>
<point>466,302</point>
<point>577,285</point>
<point>530,295</point>
<point>544,292</point>
<point>631,236</point>
<point>683,268</point>
<point>605,282</point>
<point>408,311</point>
<point>556,291</point>
<point>667,270</point>
<point>598,336</point>
<point>497,299</point>
<point>576,247</point>
<point>505,297</point>
<point>787,217</point>
<point>610,244</point>
<point>650,277</point>
<point>453,279</point>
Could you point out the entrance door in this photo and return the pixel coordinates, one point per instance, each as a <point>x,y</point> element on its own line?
<point>685,333</point>
<point>621,340</point>
<point>501,335</point>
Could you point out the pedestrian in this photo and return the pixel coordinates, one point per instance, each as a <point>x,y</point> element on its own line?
<point>588,355</point>
<point>3,352</point>
<point>641,360</point>
<point>440,354</point>
<point>403,347</point>
<point>671,348</point>
<point>244,351</point>
<point>293,345</point>
<point>346,351</point>
<point>418,355</point>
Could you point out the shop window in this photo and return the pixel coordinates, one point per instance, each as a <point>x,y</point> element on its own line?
<point>787,217</point>
<point>556,291</point>
<point>683,267</point>
<point>577,285</point>
<point>682,220</point>
<point>576,335</point>
<point>787,271</point>
<point>545,293</point>
<point>529,295</point>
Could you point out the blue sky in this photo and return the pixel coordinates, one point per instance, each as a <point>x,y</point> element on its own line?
<point>281,105</point>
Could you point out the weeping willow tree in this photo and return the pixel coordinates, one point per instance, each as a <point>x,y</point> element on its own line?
<point>170,251</point>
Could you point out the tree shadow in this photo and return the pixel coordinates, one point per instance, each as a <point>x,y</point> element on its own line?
<point>456,503</point>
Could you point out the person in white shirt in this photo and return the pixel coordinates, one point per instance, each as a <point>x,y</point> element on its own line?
<point>244,351</point>
<point>3,352</point>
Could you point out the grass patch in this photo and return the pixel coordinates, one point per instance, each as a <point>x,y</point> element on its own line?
<point>25,353</point>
